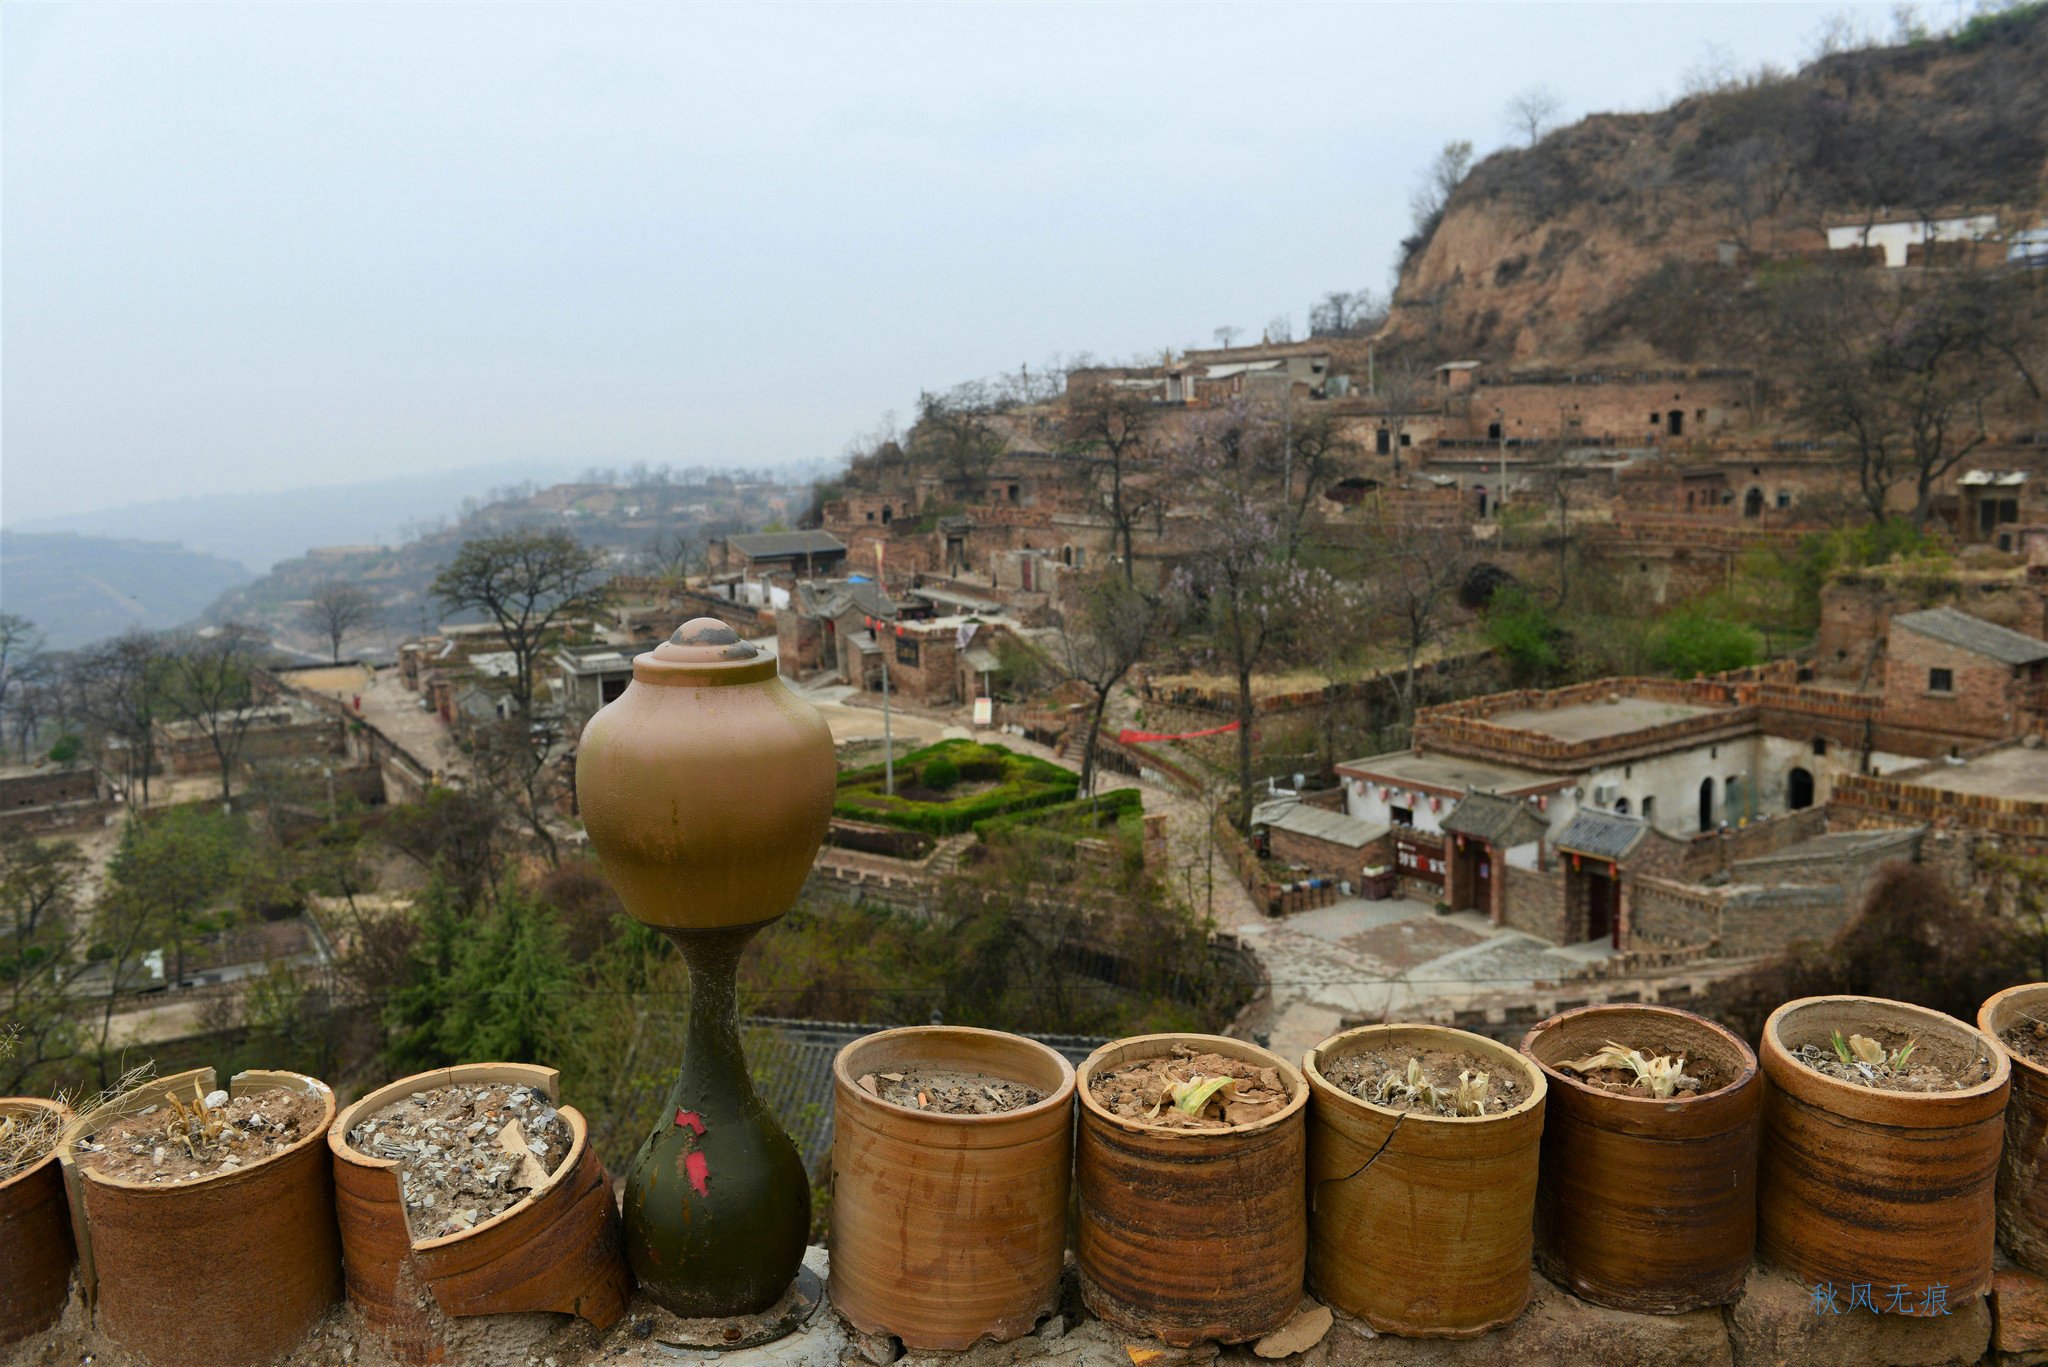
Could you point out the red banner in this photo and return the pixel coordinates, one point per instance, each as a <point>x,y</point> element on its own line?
<point>1139,737</point>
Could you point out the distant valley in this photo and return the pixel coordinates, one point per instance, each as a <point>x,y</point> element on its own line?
<point>79,589</point>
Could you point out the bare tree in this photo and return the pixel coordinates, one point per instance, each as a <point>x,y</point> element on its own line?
<point>1902,372</point>
<point>1532,112</point>
<point>529,583</point>
<point>521,763</point>
<point>335,609</point>
<point>1110,428</point>
<point>1416,573</point>
<point>670,555</point>
<point>1110,632</point>
<point>119,688</point>
<point>1426,205</point>
<point>1280,328</point>
<point>210,687</point>
<point>1347,313</point>
<point>1245,588</point>
<point>955,433</point>
<point>21,644</point>
<point>1226,335</point>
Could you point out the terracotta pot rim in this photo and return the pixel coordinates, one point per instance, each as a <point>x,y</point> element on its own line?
<point>1538,1090</point>
<point>215,1181</point>
<point>648,668</point>
<point>1061,1097</point>
<point>2022,1065</point>
<point>1876,1104</point>
<point>1297,1086</point>
<point>546,1080</point>
<point>1750,1066</point>
<point>35,1103</point>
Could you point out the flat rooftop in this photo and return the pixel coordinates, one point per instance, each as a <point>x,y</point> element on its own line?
<point>1599,720</point>
<point>1454,772</point>
<point>2014,772</point>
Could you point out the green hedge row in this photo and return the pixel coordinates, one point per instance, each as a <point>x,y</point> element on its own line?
<point>948,818</point>
<point>1107,809</point>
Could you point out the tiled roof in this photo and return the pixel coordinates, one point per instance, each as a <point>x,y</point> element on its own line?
<point>1975,635</point>
<point>1503,821</point>
<point>1601,835</point>
<point>774,545</point>
<point>1320,823</point>
<point>832,598</point>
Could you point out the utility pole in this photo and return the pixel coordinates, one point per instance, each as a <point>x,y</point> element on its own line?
<point>1503,427</point>
<point>888,734</point>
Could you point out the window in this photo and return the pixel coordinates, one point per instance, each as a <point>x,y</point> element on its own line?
<point>1383,442</point>
<point>1820,745</point>
<point>1649,809</point>
<point>1407,440</point>
<point>1941,681</point>
<point>1784,499</point>
<point>1401,816</point>
<point>611,689</point>
<point>906,650</point>
<point>1656,419</point>
<point>1493,431</point>
<point>1621,806</point>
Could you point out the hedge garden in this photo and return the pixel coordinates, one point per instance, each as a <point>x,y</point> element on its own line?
<point>946,788</point>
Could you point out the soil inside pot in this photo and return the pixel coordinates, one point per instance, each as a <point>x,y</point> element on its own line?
<point>1921,1071</point>
<point>467,1152</point>
<point>1147,1090</point>
<point>1384,1080</point>
<point>950,1091</point>
<point>1698,1076</point>
<point>188,1138</point>
<point>2028,1039</point>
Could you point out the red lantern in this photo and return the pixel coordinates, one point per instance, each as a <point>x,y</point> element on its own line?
<point>1543,803</point>
<point>1575,863</point>
<point>1613,869</point>
<point>1436,804</point>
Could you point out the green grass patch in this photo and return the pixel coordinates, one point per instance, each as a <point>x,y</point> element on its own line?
<point>999,782</point>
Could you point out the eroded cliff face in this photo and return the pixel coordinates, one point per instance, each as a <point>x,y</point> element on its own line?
<point>1630,239</point>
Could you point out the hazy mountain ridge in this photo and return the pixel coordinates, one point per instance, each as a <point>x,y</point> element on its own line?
<point>80,589</point>
<point>261,529</point>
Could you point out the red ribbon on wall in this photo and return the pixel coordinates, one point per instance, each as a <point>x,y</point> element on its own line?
<point>1139,737</point>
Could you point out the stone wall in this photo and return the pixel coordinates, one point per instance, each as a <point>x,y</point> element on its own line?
<point>1325,858</point>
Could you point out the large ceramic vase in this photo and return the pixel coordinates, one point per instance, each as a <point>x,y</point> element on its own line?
<point>706,789</point>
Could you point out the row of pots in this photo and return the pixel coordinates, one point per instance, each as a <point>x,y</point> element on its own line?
<point>948,1229</point>
<point>252,1257</point>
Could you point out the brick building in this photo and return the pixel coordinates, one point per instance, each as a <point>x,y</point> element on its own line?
<point>1947,671</point>
<point>48,796</point>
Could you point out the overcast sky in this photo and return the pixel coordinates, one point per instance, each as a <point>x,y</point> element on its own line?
<point>265,246</point>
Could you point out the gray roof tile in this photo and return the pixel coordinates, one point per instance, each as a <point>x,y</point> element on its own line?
<point>1975,635</point>
<point>1601,835</point>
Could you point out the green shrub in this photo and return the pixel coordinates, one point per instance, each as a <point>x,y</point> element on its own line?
<point>939,773</point>
<point>65,750</point>
<point>1692,642</point>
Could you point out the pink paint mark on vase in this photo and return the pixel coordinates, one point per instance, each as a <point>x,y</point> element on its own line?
<point>692,1122</point>
<point>699,1169</point>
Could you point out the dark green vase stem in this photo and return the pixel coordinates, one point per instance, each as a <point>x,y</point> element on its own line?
<point>718,1206</point>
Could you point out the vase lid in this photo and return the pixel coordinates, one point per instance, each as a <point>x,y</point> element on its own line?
<point>703,645</point>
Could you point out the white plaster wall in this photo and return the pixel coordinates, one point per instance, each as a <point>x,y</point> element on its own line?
<point>1673,780</point>
<point>1369,807</point>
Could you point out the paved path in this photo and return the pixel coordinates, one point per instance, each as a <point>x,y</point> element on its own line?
<point>1377,960</point>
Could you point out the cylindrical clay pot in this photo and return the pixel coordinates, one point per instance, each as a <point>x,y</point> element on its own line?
<point>36,1252</point>
<point>1191,1234</point>
<point>949,1229</point>
<point>1856,1185</point>
<point>226,1269</point>
<point>1420,1224</point>
<point>558,1249</point>
<point>1644,1204</point>
<point>2022,1192</point>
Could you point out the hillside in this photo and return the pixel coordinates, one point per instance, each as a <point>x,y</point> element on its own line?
<point>631,521</point>
<point>79,589</point>
<point>1600,243</point>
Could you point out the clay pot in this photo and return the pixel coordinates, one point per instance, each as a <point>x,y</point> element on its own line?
<point>1420,1224</point>
<point>1191,1234</point>
<point>2022,1194</point>
<point>707,785</point>
<point>230,1268</point>
<point>949,1229</point>
<point>1644,1204</point>
<point>1861,1186</point>
<point>558,1249</point>
<point>36,1251</point>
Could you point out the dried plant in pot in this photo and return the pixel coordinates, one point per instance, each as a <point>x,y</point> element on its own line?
<point>1422,1162</point>
<point>1191,1230</point>
<point>951,1154</point>
<point>2018,1019</point>
<point>1647,1195</point>
<point>1880,1171</point>
<point>36,1250</point>
<point>555,1247</point>
<point>205,1219</point>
